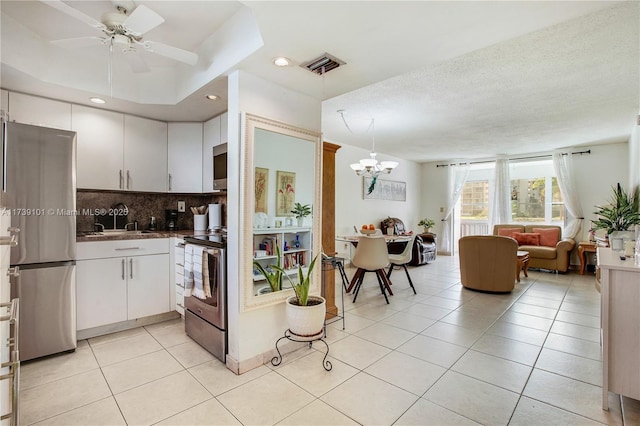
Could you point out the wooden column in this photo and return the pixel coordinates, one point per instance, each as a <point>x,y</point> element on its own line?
<point>329,222</point>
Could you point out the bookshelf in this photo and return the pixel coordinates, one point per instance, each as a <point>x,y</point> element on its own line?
<point>296,251</point>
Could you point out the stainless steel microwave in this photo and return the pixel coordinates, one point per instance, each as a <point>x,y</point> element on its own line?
<point>220,167</point>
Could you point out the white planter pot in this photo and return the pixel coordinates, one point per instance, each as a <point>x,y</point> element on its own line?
<point>306,321</point>
<point>300,222</point>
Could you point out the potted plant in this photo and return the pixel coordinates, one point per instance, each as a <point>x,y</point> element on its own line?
<point>427,224</point>
<point>272,273</point>
<point>621,213</point>
<point>301,211</point>
<point>305,313</point>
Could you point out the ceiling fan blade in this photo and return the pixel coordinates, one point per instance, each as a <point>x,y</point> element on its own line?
<point>136,62</point>
<point>142,19</point>
<point>171,52</point>
<point>74,13</point>
<point>77,42</point>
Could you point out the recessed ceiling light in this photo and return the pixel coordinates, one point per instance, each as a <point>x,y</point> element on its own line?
<point>281,61</point>
<point>213,97</point>
<point>98,100</point>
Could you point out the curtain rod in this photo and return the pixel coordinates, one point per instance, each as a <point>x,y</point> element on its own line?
<point>516,158</point>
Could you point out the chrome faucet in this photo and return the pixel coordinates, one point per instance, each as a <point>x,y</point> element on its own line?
<point>135,225</point>
<point>98,224</point>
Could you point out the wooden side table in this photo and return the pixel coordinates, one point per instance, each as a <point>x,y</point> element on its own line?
<point>585,247</point>
<point>522,264</point>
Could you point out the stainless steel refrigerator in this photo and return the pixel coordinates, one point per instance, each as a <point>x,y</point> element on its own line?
<point>40,182</point>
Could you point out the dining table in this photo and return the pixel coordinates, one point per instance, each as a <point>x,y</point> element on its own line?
<point>353,239</point>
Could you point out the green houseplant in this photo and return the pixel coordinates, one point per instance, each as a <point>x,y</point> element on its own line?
<point>301,211</point>
<point>272,273</point>
<point>426,223</point>
<point>305,314</point>
<point>621,213</point>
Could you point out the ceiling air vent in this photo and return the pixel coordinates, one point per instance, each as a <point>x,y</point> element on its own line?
<point>323,64</point>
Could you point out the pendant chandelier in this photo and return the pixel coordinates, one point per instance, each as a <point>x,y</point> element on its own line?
<point>370,167</point>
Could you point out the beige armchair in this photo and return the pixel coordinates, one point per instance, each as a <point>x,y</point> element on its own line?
<point>488,263</point>
<point>555,258</point>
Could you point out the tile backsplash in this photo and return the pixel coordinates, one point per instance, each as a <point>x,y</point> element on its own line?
<point>141,206</point>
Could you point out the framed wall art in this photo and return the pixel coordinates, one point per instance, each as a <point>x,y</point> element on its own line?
<point>261,182</point>
<point>384,190</point>
<point>285,192</point>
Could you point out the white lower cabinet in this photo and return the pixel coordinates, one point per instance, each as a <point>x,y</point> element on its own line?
<point>112,288</point>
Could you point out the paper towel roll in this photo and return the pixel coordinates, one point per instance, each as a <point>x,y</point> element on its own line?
<point>215,216</point>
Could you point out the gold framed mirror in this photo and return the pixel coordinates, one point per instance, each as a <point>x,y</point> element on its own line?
<point>282,166</point>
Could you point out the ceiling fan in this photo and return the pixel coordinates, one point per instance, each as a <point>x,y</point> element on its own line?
<point>123,28</point>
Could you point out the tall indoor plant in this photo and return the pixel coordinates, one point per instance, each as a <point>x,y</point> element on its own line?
<point>305,313</point>
<point>622,212</point>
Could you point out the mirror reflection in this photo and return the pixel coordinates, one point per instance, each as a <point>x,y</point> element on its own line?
<point>282,195</point>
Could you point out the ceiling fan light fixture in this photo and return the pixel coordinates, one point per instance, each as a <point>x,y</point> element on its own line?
<point>281,61</point>
<point>213,97</point>
<point>97,100</point>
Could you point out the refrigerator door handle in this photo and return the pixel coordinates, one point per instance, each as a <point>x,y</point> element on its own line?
<point>5,143</point>
<point>131,268</point>
<point>122,269</point>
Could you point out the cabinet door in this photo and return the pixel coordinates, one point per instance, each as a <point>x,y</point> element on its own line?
<point>211,138</point>
<point>145,154</point>
<point>39,111</point>
<point>100,147</point>
<point>224,137</point>
<point>149,285</point>
<point>101,292</point>
<point>185,157</point>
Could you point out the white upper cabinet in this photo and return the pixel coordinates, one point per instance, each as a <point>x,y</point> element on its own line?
<point>100,147</point>
<point>185,157</point>
<point>39,111</point>
<point>4,102</point>
<point>145,154</point>
<point>223,128</point>
<point>213,135</point>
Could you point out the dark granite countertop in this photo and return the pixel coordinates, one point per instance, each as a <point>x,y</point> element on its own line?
<point>82,237</point>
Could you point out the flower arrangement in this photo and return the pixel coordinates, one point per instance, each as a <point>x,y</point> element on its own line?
<point>427,223</point>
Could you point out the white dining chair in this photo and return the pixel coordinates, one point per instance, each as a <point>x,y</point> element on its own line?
<point>371,256</point>
<point>401,260</point>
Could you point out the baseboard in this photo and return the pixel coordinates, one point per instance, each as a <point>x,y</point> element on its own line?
<point>88,333</point>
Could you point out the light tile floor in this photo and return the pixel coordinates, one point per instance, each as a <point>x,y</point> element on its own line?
<point>446,356</point>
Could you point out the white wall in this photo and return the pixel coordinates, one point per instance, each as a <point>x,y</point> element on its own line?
<point>255,332</point>
<point>353,210</point>
<point>595,174</point>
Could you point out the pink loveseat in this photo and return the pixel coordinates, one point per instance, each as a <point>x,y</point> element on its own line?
<point>555,257</point>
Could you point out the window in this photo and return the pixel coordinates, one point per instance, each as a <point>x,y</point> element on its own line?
<point>535,194</point>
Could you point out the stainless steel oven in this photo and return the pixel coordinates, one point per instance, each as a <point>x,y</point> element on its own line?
<point>206,319</point>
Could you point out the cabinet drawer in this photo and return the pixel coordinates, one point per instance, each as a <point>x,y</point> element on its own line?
<point>120,248</point>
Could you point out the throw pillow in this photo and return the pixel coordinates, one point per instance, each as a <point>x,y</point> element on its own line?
<point>527,238</point>
<point>549,237</point>
<point>508,232</point>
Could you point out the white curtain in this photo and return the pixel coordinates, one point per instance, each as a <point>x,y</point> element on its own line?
<point>457,176</point>
<point>563,166</point>
<point>500,195</point>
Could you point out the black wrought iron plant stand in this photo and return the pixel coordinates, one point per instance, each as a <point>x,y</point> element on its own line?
<point>289,335</point>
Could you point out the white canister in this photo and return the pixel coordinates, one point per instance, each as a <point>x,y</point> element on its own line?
<point>199,222</point>
<point>215,216</point>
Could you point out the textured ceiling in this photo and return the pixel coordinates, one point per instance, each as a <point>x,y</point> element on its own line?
<point>443,80</point>
<point>574,83</point>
